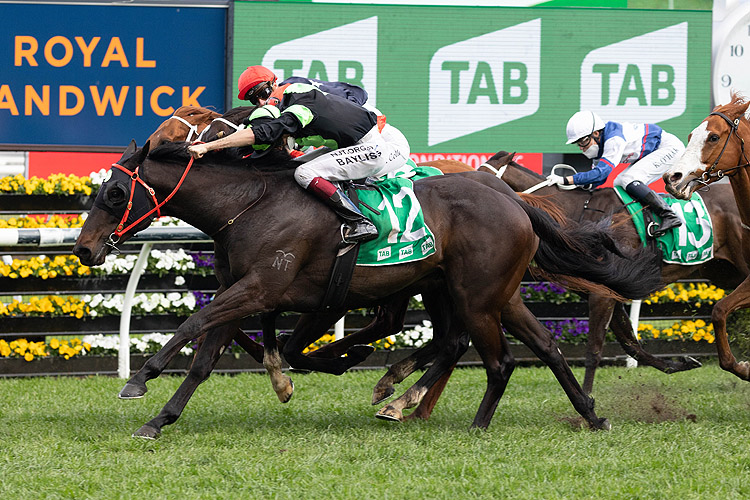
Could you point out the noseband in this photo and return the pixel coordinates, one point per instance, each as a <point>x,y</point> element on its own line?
<point>709,174</point>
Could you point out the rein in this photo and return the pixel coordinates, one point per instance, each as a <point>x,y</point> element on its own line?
<point>733,125</point>
<point>231,221</point>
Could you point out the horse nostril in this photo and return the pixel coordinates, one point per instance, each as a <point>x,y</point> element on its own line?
<point>675,177</point>
<point>82,253</point>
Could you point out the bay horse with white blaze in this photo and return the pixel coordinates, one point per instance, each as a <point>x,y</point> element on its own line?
<point>484,241</point>
<point>716,150</point>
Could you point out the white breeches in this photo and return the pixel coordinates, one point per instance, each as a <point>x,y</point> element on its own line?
<point>374,155</point>
<point>651,167</point>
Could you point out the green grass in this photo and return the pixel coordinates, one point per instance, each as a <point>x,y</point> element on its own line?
<point>679,436</point>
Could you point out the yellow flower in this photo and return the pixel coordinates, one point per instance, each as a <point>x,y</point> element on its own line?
<point>28,356</point>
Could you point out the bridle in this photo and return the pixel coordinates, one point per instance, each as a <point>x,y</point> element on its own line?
<point>709,174</point>
<point>192,129</point>
<point>136,179</point>
<point>220,120</point>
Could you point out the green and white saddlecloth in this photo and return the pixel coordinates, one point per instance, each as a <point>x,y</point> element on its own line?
<point>404,236</point>
<point>691,243</point>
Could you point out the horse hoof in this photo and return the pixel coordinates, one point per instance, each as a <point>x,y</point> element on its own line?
<point>132,391</point>
<point>389,413</point>
<point>380,395</point>
<point>604,425</point>
<point>691,362</point>
<point>147,432</point>
<point>285,396</point>
<point>359,352</point>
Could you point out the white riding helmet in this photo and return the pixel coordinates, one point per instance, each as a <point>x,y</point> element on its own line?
<point>582,124</point>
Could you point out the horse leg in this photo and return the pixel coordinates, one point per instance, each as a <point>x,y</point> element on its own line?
<point>522,324</point>
<point>623,330</point>
<point>205,361</point>
<point>447,336</point>
<point>389,320</point>
<point>311,327</point>
<point>600,314</point>
<point>738,299</point>
<point>282,384</point>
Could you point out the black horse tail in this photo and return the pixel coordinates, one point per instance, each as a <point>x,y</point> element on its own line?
<point>584,255</point>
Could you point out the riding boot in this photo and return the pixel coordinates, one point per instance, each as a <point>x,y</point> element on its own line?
<point>361,229</point>
<point>646,196</point>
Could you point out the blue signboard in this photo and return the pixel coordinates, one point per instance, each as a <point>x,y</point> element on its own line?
<point>93,77</point>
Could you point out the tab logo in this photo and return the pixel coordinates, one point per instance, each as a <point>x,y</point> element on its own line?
<point>484,81</point>
<point>643,79</point>
<point>355,63</point>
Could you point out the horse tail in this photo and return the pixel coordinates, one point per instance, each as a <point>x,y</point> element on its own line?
<point>585,256</point>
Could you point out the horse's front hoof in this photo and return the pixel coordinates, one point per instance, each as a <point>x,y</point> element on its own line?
<point>603,425</point>
<point>359,352</point>
<point>390,413</point>
<point>132,391</point>
<point>380,394</point>
<point>147,432</point>
<point>691,363</point>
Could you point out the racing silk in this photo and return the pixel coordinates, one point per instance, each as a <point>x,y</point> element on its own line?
<point>342,89</point>
<point>620,143</point>
<point>315,118</point>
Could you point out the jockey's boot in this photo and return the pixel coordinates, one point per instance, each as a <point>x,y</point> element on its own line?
<point>361,229</point>
<point>646,196</point>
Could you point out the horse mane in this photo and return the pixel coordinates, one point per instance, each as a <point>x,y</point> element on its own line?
<point>236,115</point>
<point>273,161</point>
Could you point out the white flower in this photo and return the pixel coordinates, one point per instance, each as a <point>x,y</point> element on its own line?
<point>179,281</point>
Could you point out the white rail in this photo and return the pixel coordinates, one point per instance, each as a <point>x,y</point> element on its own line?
<point>63,237</point>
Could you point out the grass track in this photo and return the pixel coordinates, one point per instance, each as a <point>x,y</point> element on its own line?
<point>680,436</point>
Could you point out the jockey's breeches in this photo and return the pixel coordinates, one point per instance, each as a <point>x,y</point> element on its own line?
<point>651,167</point>
<point>374,155</point>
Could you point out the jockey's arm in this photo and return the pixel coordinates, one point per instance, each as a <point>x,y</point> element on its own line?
<point>243,137</point>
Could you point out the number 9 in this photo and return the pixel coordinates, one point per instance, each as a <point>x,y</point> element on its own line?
<point>726,80</point>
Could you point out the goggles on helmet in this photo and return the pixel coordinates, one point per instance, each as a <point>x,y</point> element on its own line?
<point>261,91</point>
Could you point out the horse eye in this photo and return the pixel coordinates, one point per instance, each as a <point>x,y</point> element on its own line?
<point>713,138</point>
<point>116,195</point>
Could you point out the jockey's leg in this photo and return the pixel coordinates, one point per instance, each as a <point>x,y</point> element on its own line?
<point>360,227</point>
<point>646,196</point>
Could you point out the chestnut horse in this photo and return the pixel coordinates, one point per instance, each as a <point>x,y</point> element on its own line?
<point>716,150</point>
<point>484,240</point>
<point>186,124</point>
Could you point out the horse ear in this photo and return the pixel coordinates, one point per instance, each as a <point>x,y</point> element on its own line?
<point>144,152</point>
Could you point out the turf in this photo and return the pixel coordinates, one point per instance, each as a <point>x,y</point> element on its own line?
<point>679,436</point>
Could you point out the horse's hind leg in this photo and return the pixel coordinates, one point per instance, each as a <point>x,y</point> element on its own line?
<point>519,321</point>
<point>207,357</point>
<point>282,384</point>
<point>623,330</point>
<point>600,314</point>
<point>738,299</point>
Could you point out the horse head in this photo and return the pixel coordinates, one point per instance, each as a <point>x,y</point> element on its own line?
<point>226,124</point>
<point>119,211</point>
<point>185,124</point>
<point>715,149</point>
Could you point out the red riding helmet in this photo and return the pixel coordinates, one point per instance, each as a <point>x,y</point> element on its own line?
<point>252,77</point>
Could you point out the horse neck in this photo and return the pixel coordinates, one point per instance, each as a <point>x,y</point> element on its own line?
<point>209,195</point>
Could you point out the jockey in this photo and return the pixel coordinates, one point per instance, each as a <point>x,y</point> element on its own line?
<point>648,149</point>
<point>257,84</point>
<point>316,118</point>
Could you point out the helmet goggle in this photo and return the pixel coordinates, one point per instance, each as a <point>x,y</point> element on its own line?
<point>261,91</point>
<point>583,141</point>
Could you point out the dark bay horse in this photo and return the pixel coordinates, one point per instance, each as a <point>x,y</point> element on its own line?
<point>716,150</point>
<point>484,241</point>
<point>726,270</point>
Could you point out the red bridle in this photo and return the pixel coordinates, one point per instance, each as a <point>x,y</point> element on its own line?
<point>135,178</point>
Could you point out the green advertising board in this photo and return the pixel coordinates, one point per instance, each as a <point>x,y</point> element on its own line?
<point>466,79</point>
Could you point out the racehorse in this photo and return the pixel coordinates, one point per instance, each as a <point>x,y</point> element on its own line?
<point>726,270</point>
<point>716,150</point>
<point>484,240</point>
<point>604,312</point>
